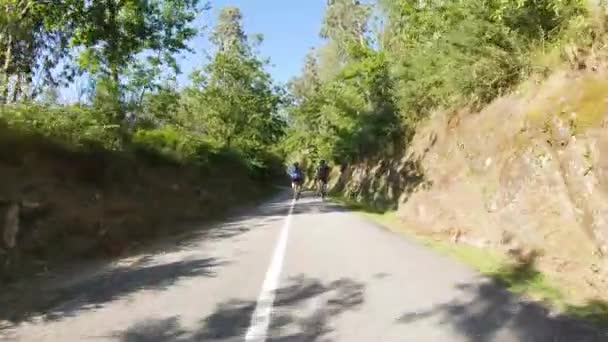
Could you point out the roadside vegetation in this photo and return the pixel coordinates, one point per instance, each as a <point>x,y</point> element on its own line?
<point>123,61</point>
<point>131,154</point>
<point>384,66</point>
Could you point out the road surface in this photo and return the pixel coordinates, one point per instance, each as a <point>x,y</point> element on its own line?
<point>285,271</point>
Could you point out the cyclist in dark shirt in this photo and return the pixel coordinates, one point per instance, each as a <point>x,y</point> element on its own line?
<point>322,178</point>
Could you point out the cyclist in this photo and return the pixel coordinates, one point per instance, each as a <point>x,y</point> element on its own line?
<point>322,178</point>
<point>297,178</point>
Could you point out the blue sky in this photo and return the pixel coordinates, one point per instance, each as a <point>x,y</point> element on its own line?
<point>290,28</point>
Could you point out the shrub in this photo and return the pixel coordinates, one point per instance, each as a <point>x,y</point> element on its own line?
<point>73,126</point>
<point>171,144</point>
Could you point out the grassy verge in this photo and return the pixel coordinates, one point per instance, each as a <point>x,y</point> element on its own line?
<point>520,278</point>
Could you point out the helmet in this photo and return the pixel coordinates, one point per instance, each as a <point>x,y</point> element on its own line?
<point>322,161</point>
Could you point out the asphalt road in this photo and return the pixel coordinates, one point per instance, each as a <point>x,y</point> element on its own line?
<point>285,271</point>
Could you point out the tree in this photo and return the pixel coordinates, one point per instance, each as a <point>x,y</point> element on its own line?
<point>309,82</point>
<point>343,106</point>
<point>228,35</point>
<point>33,40</point>
<point>142,77</point>
<point>162,105</point>
<point>233,98</point>
<point>330,61</point>
<point>346,23</point>
<point>113,33</point>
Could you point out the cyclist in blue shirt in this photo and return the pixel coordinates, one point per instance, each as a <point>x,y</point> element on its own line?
<point>297,178</point>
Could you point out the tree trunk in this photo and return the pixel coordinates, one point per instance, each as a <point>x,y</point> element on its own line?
<point>5,69</point>
<point>141,96</point>
<point>229,141</point>
<point>30,92</point>
<point>16,89</point>
<point>112,44</point>
<point>113,57</point>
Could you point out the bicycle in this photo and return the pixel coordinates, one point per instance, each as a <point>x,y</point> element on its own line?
<point>322,189</point>
<point>296,185</point>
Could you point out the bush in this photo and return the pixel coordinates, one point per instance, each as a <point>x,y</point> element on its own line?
<point>171,144</point>
<point>86,129</point>
<point>74,126</point>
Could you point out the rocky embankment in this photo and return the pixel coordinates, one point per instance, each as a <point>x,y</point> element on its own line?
<point>527,174</point>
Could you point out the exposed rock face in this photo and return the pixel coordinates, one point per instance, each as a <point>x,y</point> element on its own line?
<point>529,171</point>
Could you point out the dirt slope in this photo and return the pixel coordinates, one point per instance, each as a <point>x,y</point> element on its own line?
<point>74,204</point>
<point>528,173</point>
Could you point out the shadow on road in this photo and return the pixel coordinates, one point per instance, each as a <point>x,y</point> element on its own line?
<point>93,292</point>
<point>335,298</point>
<point>484,311</point>
<point>91,286</point>
<point>167,329</point>
<point>272,212</point>
<point>290,322</point>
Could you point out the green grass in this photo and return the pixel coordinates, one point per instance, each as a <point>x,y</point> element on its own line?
<point>486,261</point>
<point>519,278</point>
